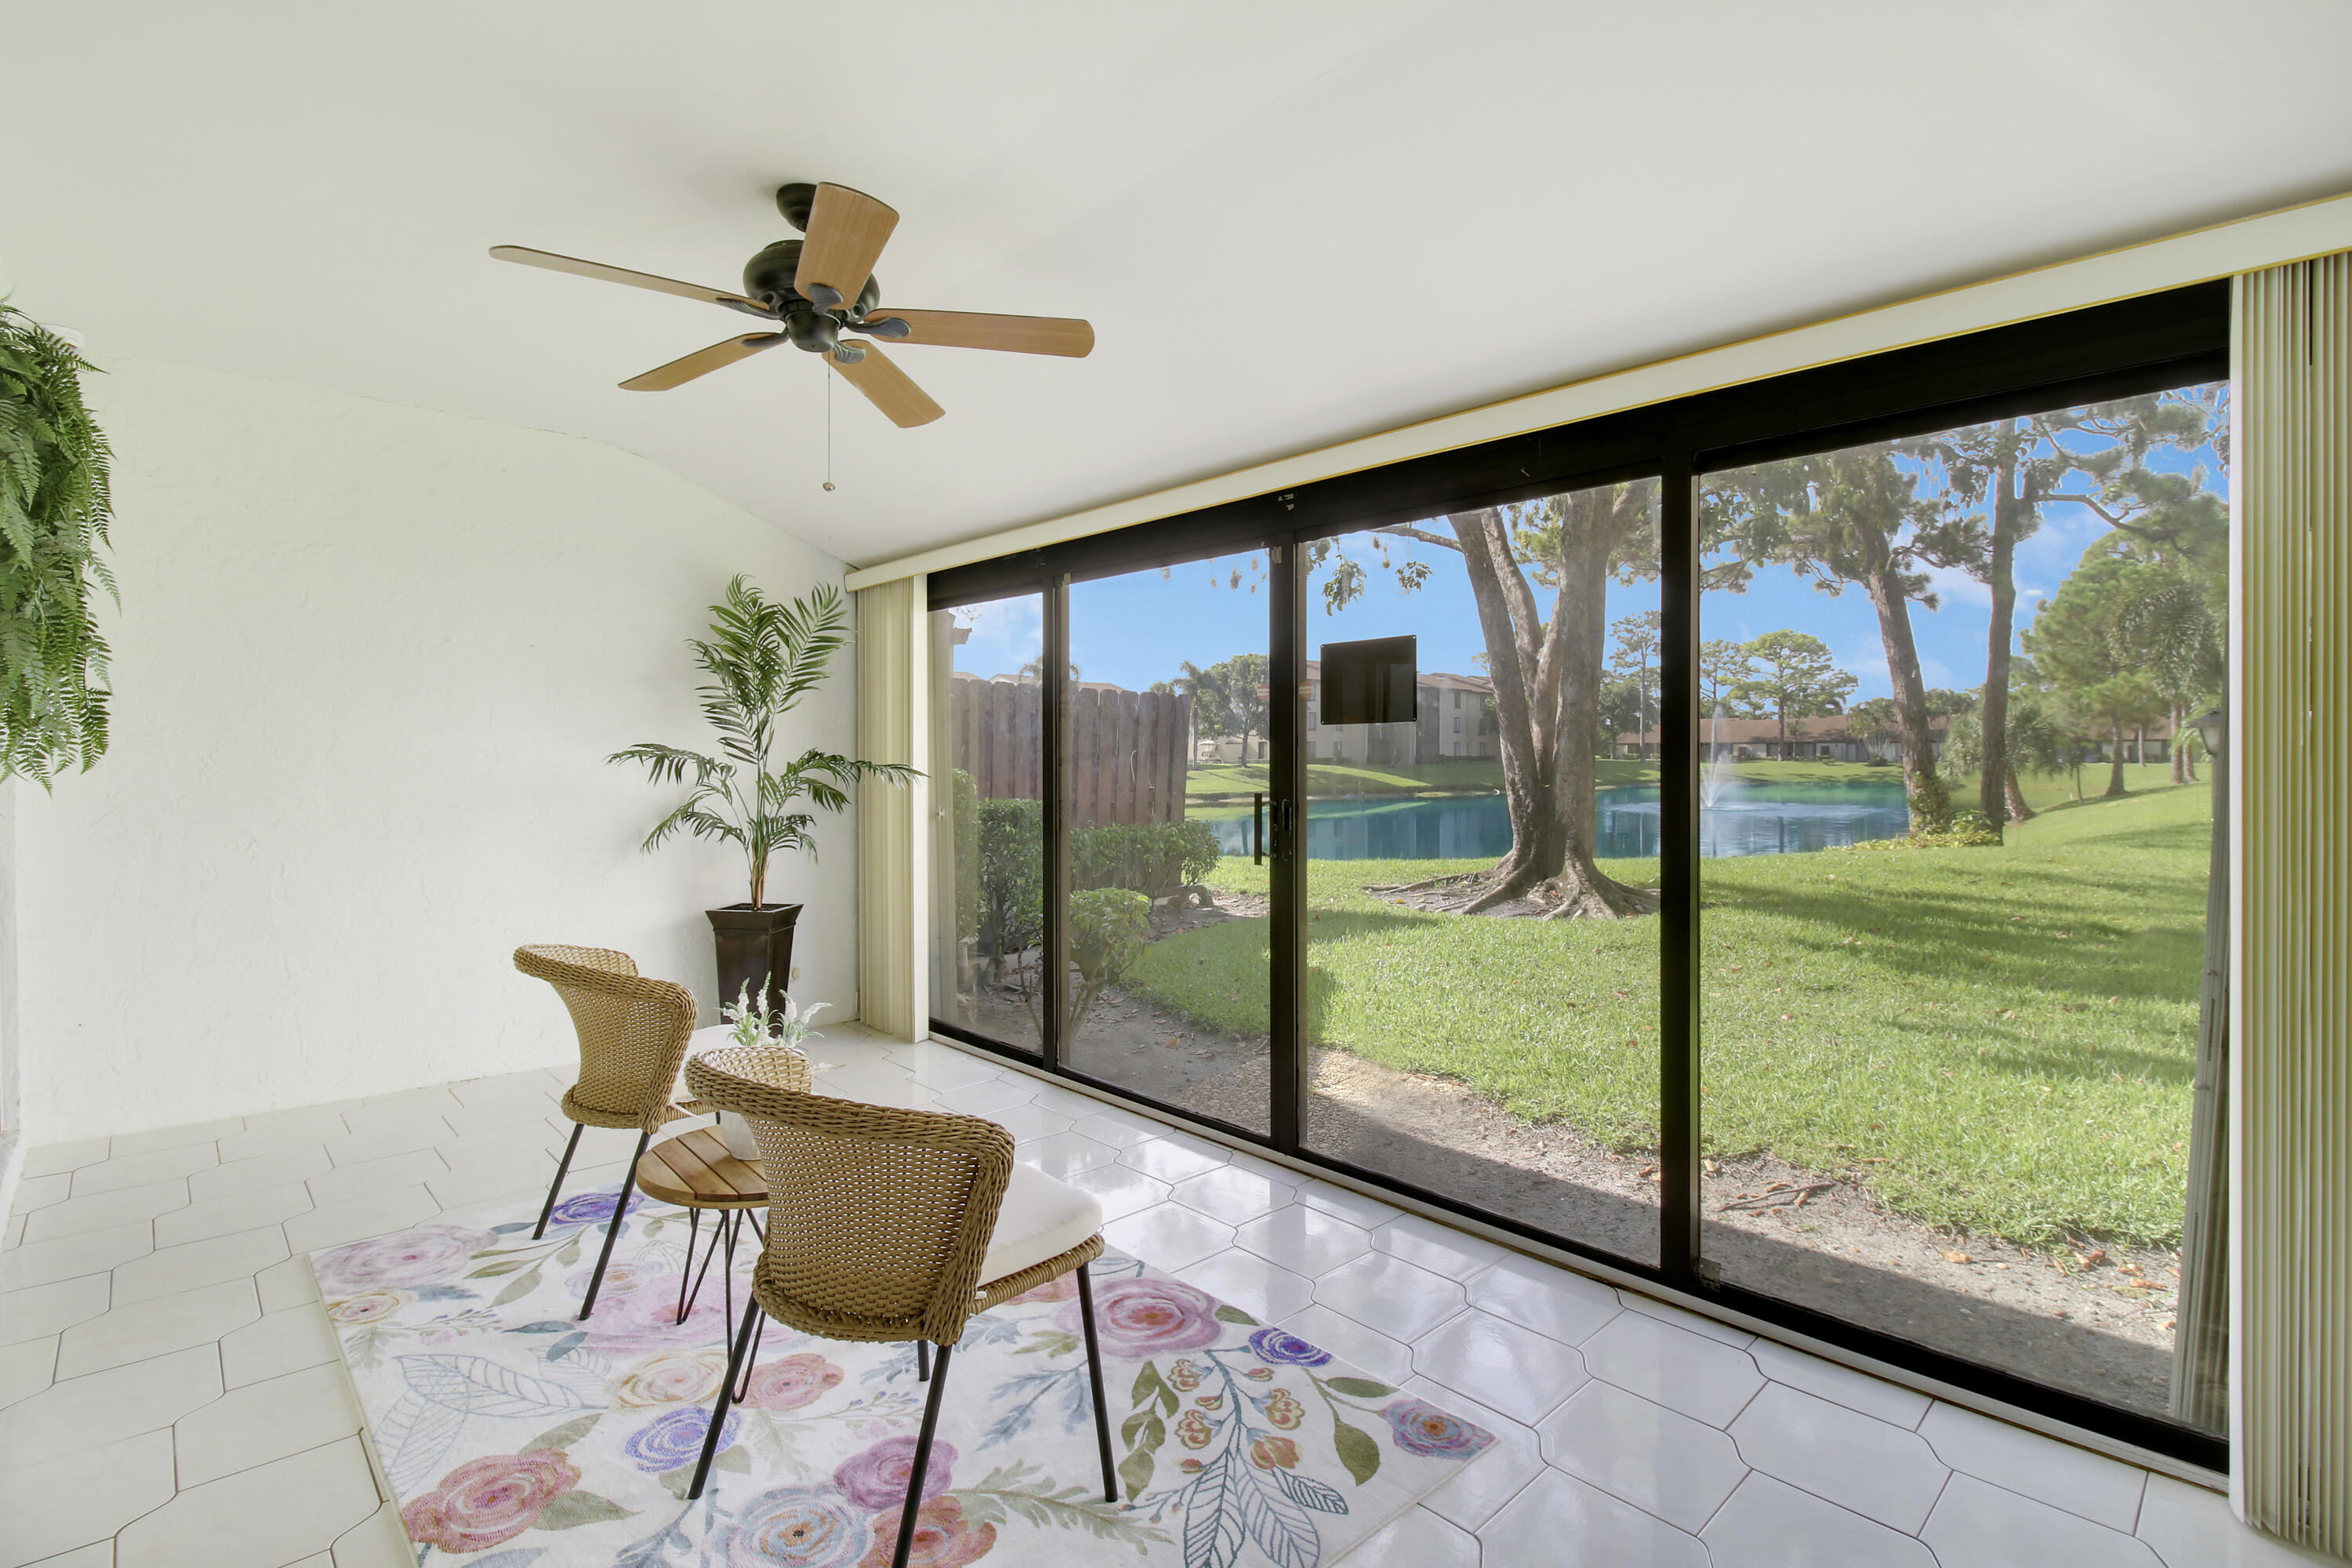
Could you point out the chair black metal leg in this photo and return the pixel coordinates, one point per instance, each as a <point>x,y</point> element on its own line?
<point>719,1400</point>
<point>1094,1371</point>
<point>693,1228</point>
<point>613,1229</point>
<point>751,1361</point>
<point>922,1361</point>
<point>556,1185</point>
<point>922,1460</point>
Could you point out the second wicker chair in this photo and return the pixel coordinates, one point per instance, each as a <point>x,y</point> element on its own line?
<point>891,1225</point>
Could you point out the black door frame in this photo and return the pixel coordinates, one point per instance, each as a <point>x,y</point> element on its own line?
<point>2150,343</point>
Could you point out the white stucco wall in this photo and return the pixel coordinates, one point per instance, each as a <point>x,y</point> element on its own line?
<point>368,663</point>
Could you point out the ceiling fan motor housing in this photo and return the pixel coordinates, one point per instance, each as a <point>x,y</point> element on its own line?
<point>768,278</point>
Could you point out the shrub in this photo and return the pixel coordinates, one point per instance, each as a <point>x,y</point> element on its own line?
<point>964,797</point>
<point>1154,858</point>
<point>1966,830</point>
<point>1012,838</point>
<point>1110,928</point>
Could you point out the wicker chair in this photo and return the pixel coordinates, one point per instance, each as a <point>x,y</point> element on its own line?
<point>889,1224</point>
<point>632,1035</point>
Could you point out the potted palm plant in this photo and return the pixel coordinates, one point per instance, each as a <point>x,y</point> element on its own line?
<point>761,658</point>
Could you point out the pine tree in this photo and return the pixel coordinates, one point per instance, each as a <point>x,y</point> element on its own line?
<point>1795,677</point>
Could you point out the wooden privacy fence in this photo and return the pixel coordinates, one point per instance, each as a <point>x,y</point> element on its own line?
<point>999,737</point>
<point>1126,748</point>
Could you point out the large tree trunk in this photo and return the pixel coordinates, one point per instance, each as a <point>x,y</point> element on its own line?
<point>2116,765</point>
<point>1922,784</point>
<point>1546,701</point>
<point>2007,510</point>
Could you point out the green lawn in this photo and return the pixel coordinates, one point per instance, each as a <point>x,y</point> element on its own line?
<point>2002,1036</point>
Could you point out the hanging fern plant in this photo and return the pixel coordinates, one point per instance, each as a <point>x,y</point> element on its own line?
<point>54,511</point>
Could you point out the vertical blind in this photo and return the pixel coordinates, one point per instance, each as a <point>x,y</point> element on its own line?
<point>2294,1027</point>
<point>893,871</point>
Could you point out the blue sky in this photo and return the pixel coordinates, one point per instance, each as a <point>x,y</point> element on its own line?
<point>1135,629</point>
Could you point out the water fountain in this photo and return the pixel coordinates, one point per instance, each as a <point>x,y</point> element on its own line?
<point>1718,781</point>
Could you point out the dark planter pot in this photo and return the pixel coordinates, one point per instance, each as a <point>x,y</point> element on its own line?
<point>754,945</point>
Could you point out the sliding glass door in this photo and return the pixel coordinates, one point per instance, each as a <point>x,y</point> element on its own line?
<point>1480,1007</point>
<point>988,823</point>
<point>1759,842</point>
<point>1165,745</point>
<point>1957,836</point>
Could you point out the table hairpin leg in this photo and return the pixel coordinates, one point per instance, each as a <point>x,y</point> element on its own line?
<point>731,1220</point>
<point>718,1231</point>
<point>693,1229</point>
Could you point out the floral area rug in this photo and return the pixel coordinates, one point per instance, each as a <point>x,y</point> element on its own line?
<point>517,1437</point>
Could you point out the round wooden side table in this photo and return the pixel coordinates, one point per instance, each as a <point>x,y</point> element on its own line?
<point>696,1171</point>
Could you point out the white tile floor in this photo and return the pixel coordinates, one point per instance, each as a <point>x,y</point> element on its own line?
<point>170,1392</point>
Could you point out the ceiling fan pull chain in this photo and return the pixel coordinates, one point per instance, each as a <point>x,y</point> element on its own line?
<point>828,432</point>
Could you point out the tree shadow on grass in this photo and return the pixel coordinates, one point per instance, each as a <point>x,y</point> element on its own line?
<point>1980,935</point>
<point>2007,1053</point>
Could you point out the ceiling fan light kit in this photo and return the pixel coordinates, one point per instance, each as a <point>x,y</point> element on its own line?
<point>817,288</point>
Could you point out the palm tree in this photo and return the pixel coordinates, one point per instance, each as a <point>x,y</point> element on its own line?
<point>2035,743</point>
<point>1198,687</point>
<point>761,658</point>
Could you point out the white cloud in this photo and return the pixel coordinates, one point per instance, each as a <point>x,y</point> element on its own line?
<point>1867,657</point>
<point>1005,635</point>
<point>1955,586</point>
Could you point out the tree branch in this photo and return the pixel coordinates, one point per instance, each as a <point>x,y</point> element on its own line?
<point>1406,531</point>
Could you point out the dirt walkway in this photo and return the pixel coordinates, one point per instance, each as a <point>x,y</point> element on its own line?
<point>2098,1324</point>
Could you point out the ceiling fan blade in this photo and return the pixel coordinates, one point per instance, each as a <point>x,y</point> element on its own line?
<point>964,329</point>
<point>887,388</point>
<point>702,362</point>
<point>846,231</point>
<point>573,265</point>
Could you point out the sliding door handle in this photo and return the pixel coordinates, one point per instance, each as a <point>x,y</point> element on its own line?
<point>1257,815</point>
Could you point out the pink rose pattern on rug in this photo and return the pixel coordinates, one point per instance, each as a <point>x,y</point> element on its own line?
<point>486,1500</point>
<point>516,1436</point>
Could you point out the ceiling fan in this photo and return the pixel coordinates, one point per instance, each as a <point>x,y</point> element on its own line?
<point>817,288</point>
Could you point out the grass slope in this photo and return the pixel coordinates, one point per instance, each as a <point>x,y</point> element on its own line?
<point>2003,1038</point>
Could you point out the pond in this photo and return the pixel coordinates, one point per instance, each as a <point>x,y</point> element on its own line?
<point>1747,819</point>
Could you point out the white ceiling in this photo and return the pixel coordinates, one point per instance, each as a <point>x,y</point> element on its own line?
<point>1291,221</point>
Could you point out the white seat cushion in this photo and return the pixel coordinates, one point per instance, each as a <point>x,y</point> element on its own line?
<point>1040,1218</point>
